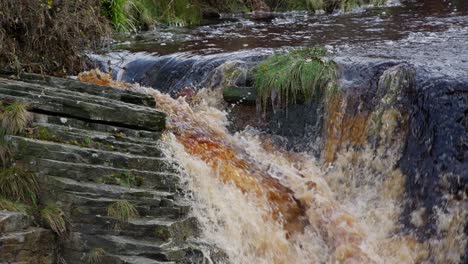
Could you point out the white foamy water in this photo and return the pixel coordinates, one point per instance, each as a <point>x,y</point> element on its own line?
<point>351,208</point>
<point>258,203</point>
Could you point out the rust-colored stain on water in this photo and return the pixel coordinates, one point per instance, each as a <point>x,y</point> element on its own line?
<point>244,175</point>
<point>232,165</point>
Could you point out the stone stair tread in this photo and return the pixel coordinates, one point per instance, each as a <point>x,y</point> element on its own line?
<point>84,172</point>
<point>98,166</point>
<point>46,90</point>
<point>147,221</point>
<point>24,147</point>
<point>20,235</point>
<point>148,228</point>
<point>90,107</point>
<point>151,221</point>
<point>96,134</point>
<point>105,128</point>
<point>89,187</point>
<point>139,260</point>
<point>88,197</point>
<point>13,221</point>
<point>124,240</point>
<point>88,88</point>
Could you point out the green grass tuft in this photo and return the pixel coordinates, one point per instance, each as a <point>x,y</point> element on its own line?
<point>132,15</point>
<point>296,75</point>
<point>15,118</point>
<point>176,12</point>
<point>120,14</point>
<point>124,178</point>
<point>95,256</point>
<point>8,205</point>
<point>122,211</point>
<point>5,152</point>
<point>56,219</point>
<point>18,185</point>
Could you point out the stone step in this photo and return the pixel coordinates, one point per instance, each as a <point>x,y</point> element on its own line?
<point>33,245</point>
<point>32,149</point>
<point>137,260</point>
<point>82,172</point>
<point>127,96</point>
<point>135,136</point>
<point>127,246</point>
<point>147,228</point>
<point>13,221</point>
<point>94,139</point>
<point>142,136</point>
<point>122,247</point>
<point>99,208</point>
<point>41,98</point>
<point>86,198</point>
<point>104,190</point>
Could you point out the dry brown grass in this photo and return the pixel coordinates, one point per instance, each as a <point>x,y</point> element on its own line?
<point>49,36</point>
<point>56,220</point>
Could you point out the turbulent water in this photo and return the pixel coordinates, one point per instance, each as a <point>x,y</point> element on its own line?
<point>259,203</point>
<point>356,192</point>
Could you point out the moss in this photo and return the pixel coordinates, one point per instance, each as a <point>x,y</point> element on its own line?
<point>124,178</point>
<point>296,75</point>
<point>43,134</point>
<point>8,205</point>
<point>162,233</point>
<point>88,141</point>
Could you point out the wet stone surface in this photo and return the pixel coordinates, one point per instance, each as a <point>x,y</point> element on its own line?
<point>85,140</point>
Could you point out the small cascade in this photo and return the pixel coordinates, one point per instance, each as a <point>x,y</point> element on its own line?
<point>259,202</point>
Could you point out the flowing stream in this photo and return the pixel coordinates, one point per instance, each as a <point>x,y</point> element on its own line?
<point>340,187</point>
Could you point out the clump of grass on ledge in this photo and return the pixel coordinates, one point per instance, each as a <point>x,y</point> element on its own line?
<point>18,185</point>
<point>122,211</point>
<point>124,178</point>
<point>15,118</point>
<point>95,256</point>
<point>8,205</point>
<point>56,219</point>
<point>5,152</point>
<point>298,75</point>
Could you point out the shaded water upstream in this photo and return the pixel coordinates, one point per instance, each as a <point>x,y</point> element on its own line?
<point>377,174</point>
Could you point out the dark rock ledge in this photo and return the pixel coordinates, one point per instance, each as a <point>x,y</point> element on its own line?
<point>83,134</point>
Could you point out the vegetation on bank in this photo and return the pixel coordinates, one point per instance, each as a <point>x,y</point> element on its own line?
<point>315,5</point>
<point>49,36</point>
<point>298,75</point>
<point>19,188</point>
<point>131,15</point>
